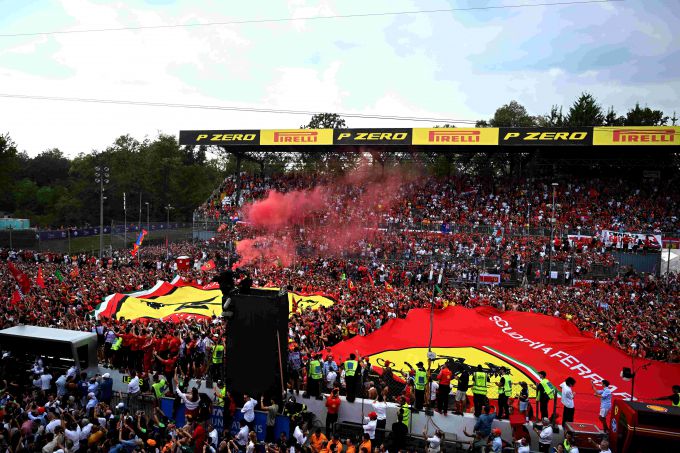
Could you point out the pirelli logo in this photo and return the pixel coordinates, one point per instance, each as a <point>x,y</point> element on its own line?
<point>455,136</point>
<point>640,136</point>
<point>297,137</point>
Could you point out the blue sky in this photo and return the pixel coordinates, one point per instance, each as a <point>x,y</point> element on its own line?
<point>459,65</point>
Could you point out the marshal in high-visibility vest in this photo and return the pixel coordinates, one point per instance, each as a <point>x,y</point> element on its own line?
<point>117,344</point>
<point>350,367</point>
<point>220,395</point>
<point>678,403</point>
<point>159,388</point>
<point>218,354</point>
<point>548,388</point>
<point>406,418</point>
<point>479,383</point>
<point>315,369</point>
<point>420,379</point>
<point>507,386</point>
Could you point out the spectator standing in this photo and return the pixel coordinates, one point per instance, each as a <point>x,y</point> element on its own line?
<point>444,378</point>
<point>605,396</point>
<point>333,402</point>
<point>568,400</point>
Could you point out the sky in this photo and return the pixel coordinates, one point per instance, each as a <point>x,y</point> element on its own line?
<point>458,65</point>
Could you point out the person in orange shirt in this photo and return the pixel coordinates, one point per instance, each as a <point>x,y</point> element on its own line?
<point>317,439</point>
<point>444,379</point>
<point>365,443</point>
<point>351,448</point>
<point>335,444</point>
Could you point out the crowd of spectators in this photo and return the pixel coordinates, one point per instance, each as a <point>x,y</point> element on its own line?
<point>586,204</point>
<point>388,265</point>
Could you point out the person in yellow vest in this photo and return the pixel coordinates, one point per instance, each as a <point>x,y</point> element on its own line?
<point>159,388</point>
<point>479,382</point>
<point>504,394</point>
<point>216,361</point>
<point>314,377</point>
<point>220,393</point>
<point>674,398</point>
<point>351,368</point>
<point>568,441</point>
<point>419,382</point>
<point>545,393</point>
<point>405,409</point>
<point>115,349</point>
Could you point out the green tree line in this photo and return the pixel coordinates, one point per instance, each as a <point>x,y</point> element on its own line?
<point>53,191</point>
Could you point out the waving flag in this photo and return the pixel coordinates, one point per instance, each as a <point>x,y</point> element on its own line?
<point>39,280</point>
<point>138,243</point>
<point>209,265</point>
<point>21,278</point>
<point>179,300</point>
<point>389,287</point>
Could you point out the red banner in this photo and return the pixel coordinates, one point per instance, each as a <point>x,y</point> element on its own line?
<point>525,342</point>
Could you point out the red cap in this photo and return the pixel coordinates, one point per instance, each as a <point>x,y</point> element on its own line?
<point>496,432</point>
<point>41,410</point>
<point>372,415</point>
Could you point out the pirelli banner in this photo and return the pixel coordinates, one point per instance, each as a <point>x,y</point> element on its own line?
<point>504,136</point>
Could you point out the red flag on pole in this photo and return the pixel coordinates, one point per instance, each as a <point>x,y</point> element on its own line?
<point>39,280</point>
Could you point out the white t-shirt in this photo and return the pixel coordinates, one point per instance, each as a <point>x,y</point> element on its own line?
<point>53,424</point>
<point>248,410</point>
<point>242,436</point>
<point>567,396</point>
<point>433,443</point>
<point>524,449</point>
<point>299,436</point>
<point>380,408</point>
<point>74,436</point>
<point>133,385</point>
<point>546,435</point>
<point>45,381</point>
<point>433,390</point>
<point>369,428</point>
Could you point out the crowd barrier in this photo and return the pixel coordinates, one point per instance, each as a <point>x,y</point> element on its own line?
<point>217,419</point>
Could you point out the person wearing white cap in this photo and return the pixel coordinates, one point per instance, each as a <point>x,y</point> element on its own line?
<point>106,388</point>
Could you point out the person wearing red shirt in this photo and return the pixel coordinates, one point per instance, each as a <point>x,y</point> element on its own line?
<point>198,435</point>
<point>332,406</point>
<point>444,379</point>
<point>168,366</point>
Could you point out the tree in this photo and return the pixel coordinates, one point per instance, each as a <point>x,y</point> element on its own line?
<point>612,119</point>
<point>325,121</point>
<point>8,167</point>
<point>553,119</point>
<point>644,117</point>
<point>512,114</point>
<point>585,112</point>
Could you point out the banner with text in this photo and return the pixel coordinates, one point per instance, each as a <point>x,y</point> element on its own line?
<point>524,342</point>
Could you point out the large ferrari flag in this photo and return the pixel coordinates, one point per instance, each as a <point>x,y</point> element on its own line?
<point>526,343</point>
<point>180,300</point>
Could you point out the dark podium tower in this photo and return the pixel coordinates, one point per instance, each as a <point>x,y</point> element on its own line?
<point>256,353</point>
